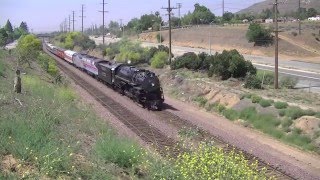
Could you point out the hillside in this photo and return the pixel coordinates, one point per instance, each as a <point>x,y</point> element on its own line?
<point>288,6</point>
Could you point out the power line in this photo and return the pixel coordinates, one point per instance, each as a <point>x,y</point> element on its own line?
<point>169,9</point>
<point>103,27</point>
<point>82,9</point>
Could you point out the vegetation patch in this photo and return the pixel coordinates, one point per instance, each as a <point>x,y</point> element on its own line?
<point>280,105</point>
<point>265,103</point>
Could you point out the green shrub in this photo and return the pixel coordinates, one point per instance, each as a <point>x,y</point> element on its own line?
<point>188,60</point>
<point>295,112</point>
<point>159,60</point>
<point>48,64</point>
<point>317,114</point>
<point>282,112</point>
<point>280,105</point>
<point>201,100</point>
<point>220,108</point>
<point>252,82</point>
<point>229,64</point>
<point>265,103</point>
<point>2,68</point>
<point>231,114</point>
<point>288,82</point>
<point>256,98</point>
<point>287,122</point>
<point>266,77</point>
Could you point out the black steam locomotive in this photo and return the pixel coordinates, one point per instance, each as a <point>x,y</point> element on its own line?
<point>141,85</point>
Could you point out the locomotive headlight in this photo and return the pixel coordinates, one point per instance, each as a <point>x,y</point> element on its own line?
<point>152,84</point>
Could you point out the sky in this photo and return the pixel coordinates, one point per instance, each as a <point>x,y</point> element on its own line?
<point>47,15</point>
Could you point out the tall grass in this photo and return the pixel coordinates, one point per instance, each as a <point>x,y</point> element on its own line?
<point>119,151</point>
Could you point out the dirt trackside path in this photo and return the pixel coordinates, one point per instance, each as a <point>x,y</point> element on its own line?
<point>272,151</point>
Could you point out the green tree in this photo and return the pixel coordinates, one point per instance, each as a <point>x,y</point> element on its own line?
<point>259,35</point>
<point>9,30</point>
<point>8,27</point>
<point>3,37</point>
<point>312,12</point>
<point>202,15</point>
<point>227,16</point>
<point>28,49</point>
<point>266,13</point>
<point>23,26</point>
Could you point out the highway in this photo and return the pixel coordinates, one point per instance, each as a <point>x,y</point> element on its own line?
<point>308,74</point>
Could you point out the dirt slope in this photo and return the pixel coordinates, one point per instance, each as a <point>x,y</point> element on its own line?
<point>234,37</point>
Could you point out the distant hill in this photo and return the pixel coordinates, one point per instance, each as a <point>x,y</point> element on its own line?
<point>287,7</point>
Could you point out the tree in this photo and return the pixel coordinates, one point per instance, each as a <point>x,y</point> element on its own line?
<point>175,21</point>
<point>227,16</point>
<point>3,37</point>
<point>202,15</point>
<point>28,49</point>
<point>266,13</point>
<point>312,12</point>
<point>24,27</point>
<point>259,35</point>
<point>9,30</point>
<point>8,27</point>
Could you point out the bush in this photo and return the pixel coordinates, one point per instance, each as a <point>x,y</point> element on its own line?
<point>259,35</point>
<point>48,64</point>
<point>265,103</point>
<point>266,77</point>
<point>282,112</point>
<point>288,82</point>
<point>294,33</point>
<point>188,60</point>
<point>229,64</point>
<point>280,105</point>
<point>295,112</point>
<point>201,100</point>
<point>231,114</point>
<point>252,82</point>
<point>256,98</point>
<point>159,60</point>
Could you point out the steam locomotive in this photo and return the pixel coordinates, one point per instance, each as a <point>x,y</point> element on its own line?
<point>140,85</point>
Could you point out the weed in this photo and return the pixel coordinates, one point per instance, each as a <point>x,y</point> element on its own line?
<point>317,115</point>
<point>220,108</point>
<point>295,112</point>
<point>188,132</point>
<point>256,98</point>
<point>231,114</point>
<point>286,123</point>
<point>202,101</point>
<point>282,112</point>
<point>265,103</point>
<point>280,105</point>
<point>117,150</point>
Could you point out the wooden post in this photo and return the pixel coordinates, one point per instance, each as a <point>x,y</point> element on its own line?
<point>17,82</point>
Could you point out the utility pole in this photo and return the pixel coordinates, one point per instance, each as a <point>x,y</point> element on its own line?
<point>179,6</point>
<point>103,28</point>
<point>276,75</point>
<point>222,12</point>
<point>169,9</point>
<point>299,10</point>
<point>69,24</point>
<point>122,28</point>
<point>82,7</point>
<point>73,21</point>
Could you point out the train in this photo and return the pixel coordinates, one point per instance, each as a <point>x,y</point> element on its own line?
<point>140,85</point>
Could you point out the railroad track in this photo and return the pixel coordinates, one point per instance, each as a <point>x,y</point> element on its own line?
<point>147,133</point>
<point>203,135</point>
<point>154,136</point>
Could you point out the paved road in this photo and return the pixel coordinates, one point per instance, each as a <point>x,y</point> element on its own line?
<point>307,73</point>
